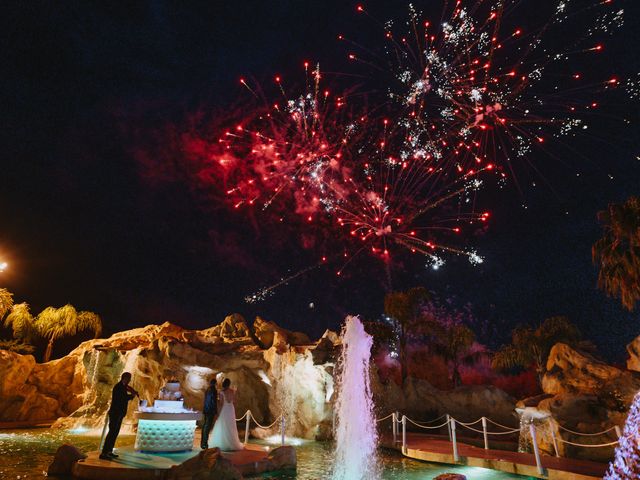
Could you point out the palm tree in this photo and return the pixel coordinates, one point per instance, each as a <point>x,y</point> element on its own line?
<point>55,323</point>
<point>617,253</point>
<point>6,302</point>
<point>405,309</point>
<point>16,346</point>
<point>20,321</point>
<point>453,343</point>
<point>531,347</point>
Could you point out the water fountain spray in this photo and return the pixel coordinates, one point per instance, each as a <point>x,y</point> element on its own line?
<point>355,431</point>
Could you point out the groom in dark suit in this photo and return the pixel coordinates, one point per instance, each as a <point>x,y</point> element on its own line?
<point>210,412</point>
<point>121,395</point>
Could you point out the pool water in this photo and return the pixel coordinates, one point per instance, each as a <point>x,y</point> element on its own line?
<point>26,454</point>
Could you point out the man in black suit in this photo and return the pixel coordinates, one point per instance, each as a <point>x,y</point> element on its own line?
<point>121,395</point>
<point>210,412</point>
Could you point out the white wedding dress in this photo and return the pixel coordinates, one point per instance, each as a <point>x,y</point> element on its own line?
<point>225,433</point>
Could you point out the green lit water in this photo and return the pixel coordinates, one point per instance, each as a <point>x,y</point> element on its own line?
<point>26,454</point>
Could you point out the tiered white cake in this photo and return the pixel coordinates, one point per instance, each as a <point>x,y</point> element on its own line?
<point>166,426</point>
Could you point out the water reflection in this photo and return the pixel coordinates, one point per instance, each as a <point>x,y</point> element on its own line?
<point>26,454</point>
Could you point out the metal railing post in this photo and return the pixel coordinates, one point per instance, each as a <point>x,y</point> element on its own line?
<point>618,431</point>
<point>484,433</point>
<point>555,442</point>
<point>536,450</point>
<point>454,441</point>
<point>104,431</point>
<point>449,426</point>
<point>396,424</point>
<point>395,434</point>
<point>282,428</point>
<point>404,434</point>
<point>246,427</point>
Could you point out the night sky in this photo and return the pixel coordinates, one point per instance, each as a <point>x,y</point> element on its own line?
<point>90,90</point>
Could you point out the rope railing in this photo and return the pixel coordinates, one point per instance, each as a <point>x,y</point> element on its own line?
<point>248,412</point>
<point>444,415</point>
<point>426,427</point>
<point>268,426</point>
<point>468,423</point>
<point>587,434</point>
<point>599,445</point>
<point>384,418</point>
<point>451,423</point>
<point>585,445</point>
<point>499,424</point>
<point>487,432</point>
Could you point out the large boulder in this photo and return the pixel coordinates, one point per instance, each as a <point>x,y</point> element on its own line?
<point>232,327</point>
<point>633,349</point>
<point>572,372</point>
<point>30,391</point>
<point>66,456</point>
<point>209,464</point>
<point>138,337</point>
<point>583,395</point>
<point>266,332</point>
<point>14,391</point>
<point>283,457</point>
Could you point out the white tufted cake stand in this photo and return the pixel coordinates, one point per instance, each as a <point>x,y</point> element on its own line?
<point>166,431</point>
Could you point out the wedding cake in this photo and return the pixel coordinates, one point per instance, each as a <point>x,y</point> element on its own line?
<point>166,426</point>
<point>169,400</point>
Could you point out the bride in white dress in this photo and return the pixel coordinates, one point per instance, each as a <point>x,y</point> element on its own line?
<point>225,433</point>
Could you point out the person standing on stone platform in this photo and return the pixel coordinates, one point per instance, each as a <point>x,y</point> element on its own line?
<point>210,412</point>
<point>121,394</point>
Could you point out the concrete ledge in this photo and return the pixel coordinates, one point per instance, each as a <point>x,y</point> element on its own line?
<point>133,465</point>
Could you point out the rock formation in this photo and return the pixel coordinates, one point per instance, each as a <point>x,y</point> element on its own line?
<point>275,371</point>
<point>633,349</point>
<point>267,366</point>
<point>209,464</point>
<point>583,394</point>
<point>66,456</point>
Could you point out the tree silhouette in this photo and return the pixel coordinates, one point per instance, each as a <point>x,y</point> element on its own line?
<point>453,343</point>
<point>55,323</point>
<point>405,309</point>
<point>6,302</point>
<point>20,321</point>
<point>617,253</point>
<point>531,347</point>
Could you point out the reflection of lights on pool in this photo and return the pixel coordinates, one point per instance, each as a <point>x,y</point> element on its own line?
<point>78,430</point>
<point>277,440</point>
<point>479,473</point>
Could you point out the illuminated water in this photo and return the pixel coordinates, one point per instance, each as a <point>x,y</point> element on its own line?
<point>355,433</point>
<point>26,454</point>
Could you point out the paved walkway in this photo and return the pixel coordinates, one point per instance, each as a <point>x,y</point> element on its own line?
<point>436,449</point>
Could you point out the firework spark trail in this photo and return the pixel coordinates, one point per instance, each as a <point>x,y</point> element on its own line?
<point>466,97</point>
<point>461,98</point>
<point>265,292</point>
